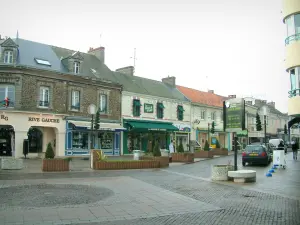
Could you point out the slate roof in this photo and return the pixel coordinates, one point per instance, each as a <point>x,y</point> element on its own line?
<point>201,97</point>
<point>29,50</point>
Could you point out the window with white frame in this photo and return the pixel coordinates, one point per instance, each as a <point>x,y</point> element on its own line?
<point>103,103</point>
<point>212,115</point>
<point>8,57</point>
<point>75,101</point>
<point>7,96</point>
<point>202,115</point>
<point>44,97</point>
<point>76,67</point>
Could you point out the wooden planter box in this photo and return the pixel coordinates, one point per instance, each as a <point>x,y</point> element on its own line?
<point>186,157</point>
<point>219,151</point>
<point>55,165</point>
<point>163,160</point>
<point>203,154</point>
<point>119,165</point>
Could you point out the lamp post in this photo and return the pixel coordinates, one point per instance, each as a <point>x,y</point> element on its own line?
<point>208,134</point>
<point>92,111</point>
<point>265,123</point>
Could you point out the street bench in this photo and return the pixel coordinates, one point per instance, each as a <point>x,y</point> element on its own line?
<point>243,176</point>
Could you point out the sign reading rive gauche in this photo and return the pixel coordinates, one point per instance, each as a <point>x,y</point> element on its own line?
<point>148,108</point>
<point>44,120</point>
<point>234,115</point>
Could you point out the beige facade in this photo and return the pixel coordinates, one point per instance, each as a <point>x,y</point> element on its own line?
<point>51,126</point>
<point>291,18</point>
<point>202,118</point>
<point>290,7</point>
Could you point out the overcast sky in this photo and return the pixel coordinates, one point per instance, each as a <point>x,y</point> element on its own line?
<point>229,46</point>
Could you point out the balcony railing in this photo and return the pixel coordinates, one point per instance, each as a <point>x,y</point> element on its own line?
<point>294,93</point>
<point>295,37</point>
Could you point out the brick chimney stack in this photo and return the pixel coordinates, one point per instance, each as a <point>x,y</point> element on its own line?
<point>129,70</point>
<point>98,52</point>
<point>170,81</point>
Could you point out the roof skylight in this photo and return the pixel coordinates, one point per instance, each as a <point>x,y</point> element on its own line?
<point>42,62</point>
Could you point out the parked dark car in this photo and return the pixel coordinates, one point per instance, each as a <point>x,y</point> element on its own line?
<point>256,154</point>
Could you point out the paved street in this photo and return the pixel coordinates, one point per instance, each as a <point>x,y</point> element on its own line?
<point>176,195</point>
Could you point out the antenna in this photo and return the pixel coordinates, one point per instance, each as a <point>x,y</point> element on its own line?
<point>134,58</point>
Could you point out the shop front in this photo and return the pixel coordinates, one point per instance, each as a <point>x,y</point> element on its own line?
<point>142,135</point>
<point>222,137</point>
<point>80,138</point>
<point>182,136</point>
<point>35,130</point>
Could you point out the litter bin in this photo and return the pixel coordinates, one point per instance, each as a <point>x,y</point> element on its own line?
<point>137,154</point>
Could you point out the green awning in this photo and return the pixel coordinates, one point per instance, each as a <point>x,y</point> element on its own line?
<point>137,103</point>
<point>160,105</point>
<point>150,126</point>
<point>180,108</point>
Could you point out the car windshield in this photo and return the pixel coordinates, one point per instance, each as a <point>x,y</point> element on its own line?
<point>254,148</point>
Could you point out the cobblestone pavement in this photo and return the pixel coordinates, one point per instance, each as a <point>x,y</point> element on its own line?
<point>177,195</point>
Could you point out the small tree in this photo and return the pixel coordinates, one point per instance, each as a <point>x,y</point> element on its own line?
<point>258,123</point>
<point>156,150</point>
<point>213,125</point>
<point>180,148</point>
<point>206,146</point>
<point>285,129</point>
<point>49,152</point>
<point>97,120</point>
<point>217,144</point>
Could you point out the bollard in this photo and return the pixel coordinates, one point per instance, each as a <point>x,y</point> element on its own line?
<point>271,171</point>
<point>269,175</point>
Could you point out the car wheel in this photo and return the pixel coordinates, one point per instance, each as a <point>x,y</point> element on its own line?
<point>243,163</point>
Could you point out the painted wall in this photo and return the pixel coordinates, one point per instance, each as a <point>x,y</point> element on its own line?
<point>294,105</point>
<point>170,111</point>
<point>290,6</point>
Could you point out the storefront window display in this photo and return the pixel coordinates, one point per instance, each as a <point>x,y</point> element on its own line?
<point>106,141</point>
<point>80,140</point>
<point>146,141</point>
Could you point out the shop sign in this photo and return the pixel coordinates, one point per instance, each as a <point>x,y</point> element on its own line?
<point>3,117</point>
<point>157,129</point>
<point>44,120</point>
<point>234,113</point>
<point>183,127</point>
<point>148,108</point>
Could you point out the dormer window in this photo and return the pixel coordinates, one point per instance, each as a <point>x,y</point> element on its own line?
<point>76,67</point>
<point>8,57</point>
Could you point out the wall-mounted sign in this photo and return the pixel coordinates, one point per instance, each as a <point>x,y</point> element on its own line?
<point>148,108</point>
<point>234,115</point>
<point>183,127</point>
<point>44,120</point>
<point>157,129</point>
<point>3,117</point>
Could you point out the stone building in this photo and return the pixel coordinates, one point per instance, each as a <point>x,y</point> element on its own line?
<point>49,91</point>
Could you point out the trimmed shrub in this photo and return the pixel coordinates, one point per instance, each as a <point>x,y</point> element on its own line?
<point>156,150</point>
<point>206,146</point>
<point>180,148</point>
<point>49,152</point>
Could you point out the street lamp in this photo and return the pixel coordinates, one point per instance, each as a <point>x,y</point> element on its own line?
<point>92,111</point>
<point>265,122</point>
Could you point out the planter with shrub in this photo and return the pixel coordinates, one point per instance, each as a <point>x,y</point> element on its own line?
<point>51,164</point>
<point>220,172</point>
<point>182,156</point>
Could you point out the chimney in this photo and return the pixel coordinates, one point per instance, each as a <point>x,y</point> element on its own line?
<point>129,70</point>
<point>211,91</point>
<point>231,96</point>
<point>170,81</point>
<point>271,104</point>
<point>98,52</point>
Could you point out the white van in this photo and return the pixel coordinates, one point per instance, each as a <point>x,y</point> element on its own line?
<point>275,141</point>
